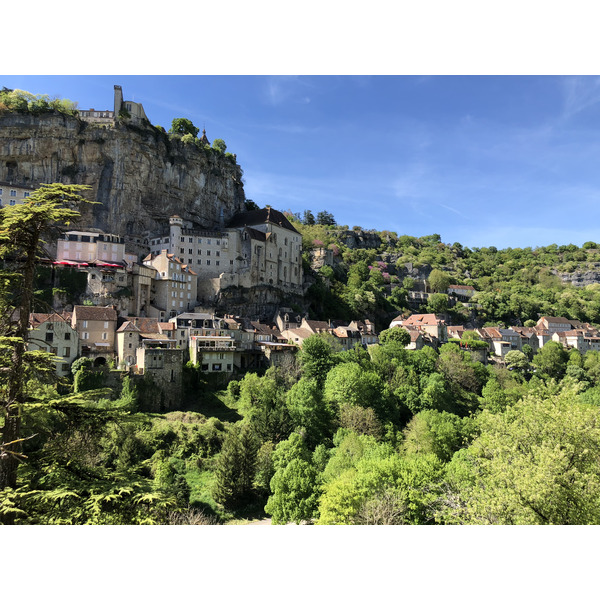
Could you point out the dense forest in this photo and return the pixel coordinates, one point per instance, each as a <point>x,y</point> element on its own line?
<point>381,435</point>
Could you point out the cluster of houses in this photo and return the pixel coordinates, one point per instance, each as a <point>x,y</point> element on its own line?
<point>431,330</point>
<point>159,349</point>
<point>216,344</point>
<point>150,346</point>
<point>181,267</point>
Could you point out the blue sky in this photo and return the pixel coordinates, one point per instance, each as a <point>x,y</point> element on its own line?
<point>509,161</point>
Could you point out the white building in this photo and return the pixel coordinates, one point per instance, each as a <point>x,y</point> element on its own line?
<point>12,194</point>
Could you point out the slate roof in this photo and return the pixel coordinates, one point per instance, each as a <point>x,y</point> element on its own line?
<point>259,217</point>
<point>317,325</point>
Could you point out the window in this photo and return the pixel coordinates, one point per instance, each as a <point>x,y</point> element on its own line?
<point>104,335</point>
<point>49,337</point>
<point>183,239</point>
<point>208,262</point>
<point>208,253</point>
<point>84,324</point>
<point>217,253</point>
<point>13,193</point>
<point>191,240</point>
<point>105,324</point>
<point>67,336</point>
<point>217,263</point>
<point>25,194</point>
<point>208,241</point>
<point>66,352</point>
<point>86,335</point>
<point>199,262</point>
<point>199,251</point>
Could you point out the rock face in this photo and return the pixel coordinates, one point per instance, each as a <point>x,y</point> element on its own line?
<point>581,278</point>
<point>139,175</point>
<point>358,238</point>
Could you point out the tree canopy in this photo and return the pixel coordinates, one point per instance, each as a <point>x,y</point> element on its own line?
<point>183,126</point>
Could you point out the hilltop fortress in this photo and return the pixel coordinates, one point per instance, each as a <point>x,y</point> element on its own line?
<point>139,175</point>
<point>160,202</point>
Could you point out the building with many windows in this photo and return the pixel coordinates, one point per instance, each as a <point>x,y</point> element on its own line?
<point>96,326</point>
<point>53,333</point>
<point>11,194</point>
<point>174,287</point>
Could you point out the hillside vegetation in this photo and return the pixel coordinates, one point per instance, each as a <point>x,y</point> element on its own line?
<point>513,285</point>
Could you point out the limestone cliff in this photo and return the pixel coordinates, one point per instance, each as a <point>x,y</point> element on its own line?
<point>138,174</point>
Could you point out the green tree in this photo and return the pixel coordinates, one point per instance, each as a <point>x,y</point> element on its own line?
<point>349,383</point>
<point>295,484</point>
<point>439,281</point>
<point>308,218</point>
<point>437,303</point>
<point>551,360</point>
<point>24,229</point>
<point>182,127</point>
<point>309,412</point>
<point>398,335</point>
<point>236,466</point>
<point>516,360</point>
<point>219,145</point>
<point>316,357</point>
<point>325,218</point>
<point>434,432</point>
<point>538,462</point>
<point>382,487</point>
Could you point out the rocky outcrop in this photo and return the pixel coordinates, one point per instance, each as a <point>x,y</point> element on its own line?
<point>358,238</point>
<point>138,174</point>
<point>581,278</point>
<point>260,301</point>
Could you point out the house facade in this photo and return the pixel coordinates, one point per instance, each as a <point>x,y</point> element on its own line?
<point>54,333</point>
<point>96,328</point>
<point>12,194</point>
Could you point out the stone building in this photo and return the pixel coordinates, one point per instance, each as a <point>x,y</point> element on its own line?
<point>215,353</point>
<point>269,249</point>
<point>173,287</point>
<point>107,117</point>
<point>54,333</point>
<point>91,246</point>
<point>255,248</point>
<point>164,366</point>
<point>96,326</point>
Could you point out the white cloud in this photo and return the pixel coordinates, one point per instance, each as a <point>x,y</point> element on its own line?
<point>580,93</point>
